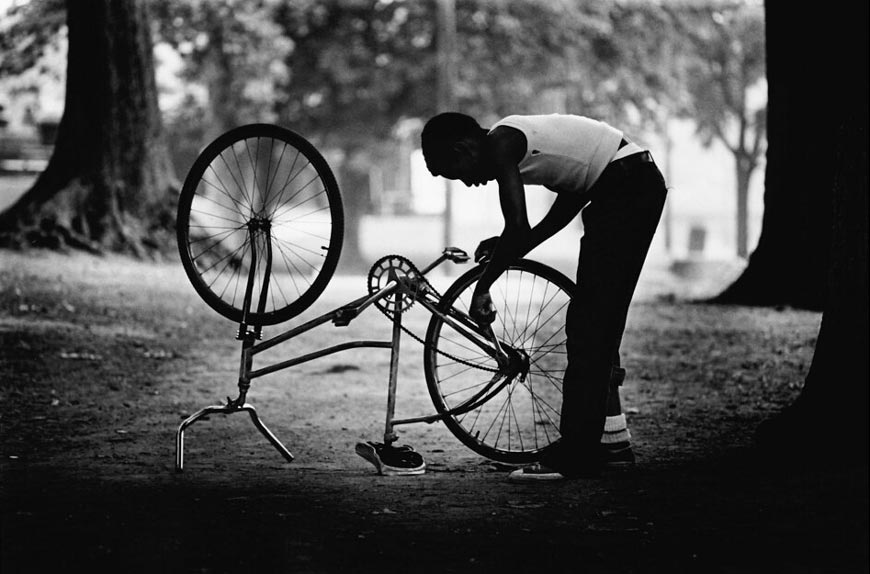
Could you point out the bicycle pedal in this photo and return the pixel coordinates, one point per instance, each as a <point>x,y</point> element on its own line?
<point>392,461</point>
<point>344,316</point>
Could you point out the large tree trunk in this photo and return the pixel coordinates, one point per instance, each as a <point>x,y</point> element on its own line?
<point>831,414</point>
<point>804,90</point>
<point>107,185</point>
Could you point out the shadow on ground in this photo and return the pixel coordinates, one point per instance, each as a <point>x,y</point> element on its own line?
<point>101,359</point>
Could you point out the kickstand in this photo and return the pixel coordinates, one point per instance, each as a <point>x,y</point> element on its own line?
<point>227,409</point>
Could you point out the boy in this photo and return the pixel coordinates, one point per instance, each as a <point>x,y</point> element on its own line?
<point>590,166</point>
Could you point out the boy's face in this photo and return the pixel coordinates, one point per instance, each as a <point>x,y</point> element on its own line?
<point>466,165</point>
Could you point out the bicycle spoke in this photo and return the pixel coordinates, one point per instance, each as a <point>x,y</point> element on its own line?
<point>540,313</point>
<point>243,187</point>
<point>321,237</point>
<point>289,263</point>
<point>280,290</point>
<point>223,235</point>
<point>226,260</point>
<point>280,202</point>
<point>268,170</point>
<point>516,308</point>
<point>297,205</point>
<point>300,190</point>
<point>468,390</point>
<point>539,413</point>
<point>476,351</point>
<point>253,164</point>
<point>537,397</point>
<point>277,165</point>
<point>283,245</point>
<point>302,247</point>
<point>532,336</point>
<point>222,190</point>
<point>546,341</point>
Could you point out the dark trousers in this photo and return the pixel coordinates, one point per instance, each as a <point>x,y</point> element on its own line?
<point>619,222</point>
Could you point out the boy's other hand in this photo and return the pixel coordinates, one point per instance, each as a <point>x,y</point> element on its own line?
<point>483,253</point>
<point>482,309</point>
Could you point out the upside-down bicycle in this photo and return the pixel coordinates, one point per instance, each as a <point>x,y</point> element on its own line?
<point>260,229</point>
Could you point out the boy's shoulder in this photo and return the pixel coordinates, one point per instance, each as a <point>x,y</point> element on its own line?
<point>507,142</point>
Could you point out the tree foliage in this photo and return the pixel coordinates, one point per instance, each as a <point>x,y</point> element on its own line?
<point>356,67</point>
<point>726,78</point>
<point>26,30</point>
<point>347,73</point>
<point>234,56</point>
<point>728,60</point>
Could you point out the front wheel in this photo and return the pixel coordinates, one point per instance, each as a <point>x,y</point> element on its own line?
<point>260,224</point>
<point>519,422</point>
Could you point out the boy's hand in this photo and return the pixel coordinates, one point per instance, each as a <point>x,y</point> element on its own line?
<point>483,253</point>
<point>482,310</point>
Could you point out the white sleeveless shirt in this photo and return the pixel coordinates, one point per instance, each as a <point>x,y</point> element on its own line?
<point>564,152</point>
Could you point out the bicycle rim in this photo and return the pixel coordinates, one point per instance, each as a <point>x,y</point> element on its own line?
<point>262,195</point>
<point>522,419</point>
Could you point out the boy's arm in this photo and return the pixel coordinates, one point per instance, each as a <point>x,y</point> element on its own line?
<point>515,238</point>
<point>564,209</point>
<point>508,150</point>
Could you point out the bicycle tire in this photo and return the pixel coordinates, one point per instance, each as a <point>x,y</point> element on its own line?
<point>521,421</point>
<point>260,188</point>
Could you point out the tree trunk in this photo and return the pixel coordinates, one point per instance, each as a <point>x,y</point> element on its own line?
<point>219,76</point>
<point>830,417</point>
<point>353,181</point>
<point>744,173</point>
<point>107,184</point>
<point>804,88</point>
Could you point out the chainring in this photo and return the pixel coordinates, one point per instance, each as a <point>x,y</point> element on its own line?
<point>386,269</point>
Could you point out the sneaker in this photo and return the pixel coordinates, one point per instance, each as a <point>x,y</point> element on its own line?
<point>535,473</point>
<point>571,463</point>
<point>391,460</point>
<point>618,454</point>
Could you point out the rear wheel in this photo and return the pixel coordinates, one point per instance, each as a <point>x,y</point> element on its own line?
<point>260,195</point>
<point>521,420</point>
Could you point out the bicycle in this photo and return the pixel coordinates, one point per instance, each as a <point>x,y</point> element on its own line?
<point>260,229</point>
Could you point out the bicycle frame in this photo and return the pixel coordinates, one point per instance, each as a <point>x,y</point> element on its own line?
<point>508,360</point>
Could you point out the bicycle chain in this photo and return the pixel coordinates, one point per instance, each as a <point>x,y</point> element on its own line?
<point>421,281</point>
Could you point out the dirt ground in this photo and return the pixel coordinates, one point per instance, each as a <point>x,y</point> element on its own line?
<point>102,358</point>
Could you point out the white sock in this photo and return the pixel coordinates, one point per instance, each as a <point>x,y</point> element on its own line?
<point>615,430</point>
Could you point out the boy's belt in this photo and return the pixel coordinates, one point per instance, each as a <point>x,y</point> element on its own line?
<point>623,164</point>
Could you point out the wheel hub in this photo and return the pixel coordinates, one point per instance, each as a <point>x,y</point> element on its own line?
<point>519,362</point>
<point>259,223</point>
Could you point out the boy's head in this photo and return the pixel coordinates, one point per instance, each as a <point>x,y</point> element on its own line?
<point>453,146</point>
